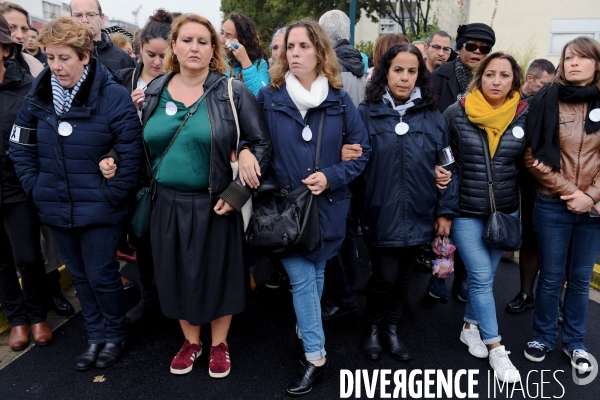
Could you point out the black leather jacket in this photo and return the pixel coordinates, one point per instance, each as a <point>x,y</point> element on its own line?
<point>467,141</point>
<point>253,131</point>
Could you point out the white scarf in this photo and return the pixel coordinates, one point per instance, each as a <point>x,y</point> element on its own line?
<point>401,108</point>
<point>302,98</point>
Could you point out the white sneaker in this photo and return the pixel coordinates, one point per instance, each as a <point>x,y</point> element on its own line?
<point>580,360</point>
<point>503,367</point>
<point>471,338</point>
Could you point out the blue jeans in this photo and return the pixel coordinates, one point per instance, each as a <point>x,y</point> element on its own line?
<point>307,279</point>
<point>89,254</point>
<point>567,242</point>
<point>480,262</point>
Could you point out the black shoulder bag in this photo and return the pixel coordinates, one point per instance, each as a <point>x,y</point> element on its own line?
<point>140,222</point>
<point>285,220</point>
<point>502,231</point>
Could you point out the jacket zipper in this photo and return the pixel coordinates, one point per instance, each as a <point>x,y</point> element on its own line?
<point>211,153</point>
<point>579,152</point>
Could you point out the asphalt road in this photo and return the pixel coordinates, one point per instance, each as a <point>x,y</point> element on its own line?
<point>263,355</point>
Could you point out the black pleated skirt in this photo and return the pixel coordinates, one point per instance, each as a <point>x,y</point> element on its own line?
<point>198,257</point>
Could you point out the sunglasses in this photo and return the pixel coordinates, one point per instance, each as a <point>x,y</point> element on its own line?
<point>484,49</point>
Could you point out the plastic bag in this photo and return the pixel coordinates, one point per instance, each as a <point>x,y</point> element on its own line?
<point>443,264</point>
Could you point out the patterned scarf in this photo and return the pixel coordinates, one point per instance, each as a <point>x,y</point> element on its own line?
<point>461,77</point>
<point>415,97</point>
<point>494,121</point>
<point>64,97</point>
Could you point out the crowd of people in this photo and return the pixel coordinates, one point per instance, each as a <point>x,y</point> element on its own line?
<point>191,122</point>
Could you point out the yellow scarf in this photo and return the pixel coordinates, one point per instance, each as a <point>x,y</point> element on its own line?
<point>494,121</point>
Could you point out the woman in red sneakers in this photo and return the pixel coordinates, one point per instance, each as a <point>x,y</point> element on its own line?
<point>190,136</point>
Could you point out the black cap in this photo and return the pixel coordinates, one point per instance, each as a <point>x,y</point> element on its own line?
<point>475,31</point>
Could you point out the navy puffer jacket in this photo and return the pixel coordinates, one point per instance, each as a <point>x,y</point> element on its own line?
<point>61,173</point>
<point>400,197</point>
<point>467,145</point>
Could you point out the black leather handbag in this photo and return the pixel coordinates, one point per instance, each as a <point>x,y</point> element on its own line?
<point>502,231</point>
<point>285,220</point>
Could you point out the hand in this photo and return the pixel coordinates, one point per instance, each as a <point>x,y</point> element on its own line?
<point>442,177</point>
<point>351,152</point>
<point>540,166</point>
<point>597,208</point>
<point>578,202</point>
<point>249,170</point>
<point>442,226</point>
<point>316,183</point>
<point>240,54</point>
<point>222,207</point>
<point>108,168</point>
<point>138,97</point>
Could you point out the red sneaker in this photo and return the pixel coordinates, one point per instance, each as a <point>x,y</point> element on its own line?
<point>132,258</point>
<point>184,360</point>
<point>219,364</point>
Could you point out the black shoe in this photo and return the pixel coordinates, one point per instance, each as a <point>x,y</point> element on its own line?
<point>300,351</point>
<point>274,280</point>
<point>536,351</point>
<point>520,303</point>
<point>109,354</point>
<point>371,347</point>
<point>460,288</point>
<point>397,349</point>
<point>437,289</point>
<point>88,358</point>
<point>61,305</point>
<point>331,311</point>
<point>303,383</point>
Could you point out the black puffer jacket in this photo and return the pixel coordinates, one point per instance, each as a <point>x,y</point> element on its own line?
<point>130,77</point>
<point>468,143</point>
<point>253,130</point>
<point>13,89</point>
<point>110,55</point>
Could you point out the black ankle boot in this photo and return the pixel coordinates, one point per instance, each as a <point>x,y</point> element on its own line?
<point>371,347</point>
<point>109,354</point>
<point>148,304</point>
<point>303,383</point>
<point>88,358</point>
<point>397,349</point>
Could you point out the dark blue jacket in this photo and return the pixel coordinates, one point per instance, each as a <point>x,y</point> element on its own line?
<point>401,198</point>
<point>293,158</point>
<point>61,173</point>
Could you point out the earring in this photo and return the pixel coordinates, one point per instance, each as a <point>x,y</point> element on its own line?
<point>211,66</point>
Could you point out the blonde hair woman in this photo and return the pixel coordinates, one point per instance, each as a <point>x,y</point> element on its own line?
<point>305,86</point>
<point>199,265</point>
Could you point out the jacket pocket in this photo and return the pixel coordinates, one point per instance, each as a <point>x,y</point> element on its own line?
<point>566,124</point>
<point>225,110</point>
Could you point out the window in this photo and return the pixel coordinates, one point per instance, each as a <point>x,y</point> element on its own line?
<point>51,11</point>
<point>564,30</point>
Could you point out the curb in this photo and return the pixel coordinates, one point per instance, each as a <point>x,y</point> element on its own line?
<point>65,281</point>
<point>595,283</point>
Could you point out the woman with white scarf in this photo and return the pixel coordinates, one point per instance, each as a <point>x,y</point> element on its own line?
<point>304,85</point>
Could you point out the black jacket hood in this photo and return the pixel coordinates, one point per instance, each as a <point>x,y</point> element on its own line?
<point>350,58</point>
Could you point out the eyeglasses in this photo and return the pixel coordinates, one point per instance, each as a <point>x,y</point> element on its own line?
<point>484,49</point>
<point>89,15</point>
<point>437,47</point>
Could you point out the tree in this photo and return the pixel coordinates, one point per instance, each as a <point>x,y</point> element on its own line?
<point>269,15</point>
<point>412,16</point>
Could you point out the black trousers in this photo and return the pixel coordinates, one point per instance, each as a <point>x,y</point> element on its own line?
<point>20,250</point>
<point>390,279</point>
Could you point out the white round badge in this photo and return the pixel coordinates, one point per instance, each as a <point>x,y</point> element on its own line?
<point>401,128</point>
<point>171,108</point>
<point>307,133</point>
<point>65,129</point>
<point>595,114</point>
<point>518,132</point>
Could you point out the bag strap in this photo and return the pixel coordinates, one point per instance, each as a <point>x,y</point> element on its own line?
<point>189,114</point>
<point>237,123</point>
<point>488,168</point>
<point>319,141</point>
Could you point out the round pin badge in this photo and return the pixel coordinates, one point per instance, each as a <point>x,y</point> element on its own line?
<point>307,133</point>
<point>518,132</point>
<point>401,128</point>
<point>171,108</point>
<point>595,114</point>
<point>65,129</point>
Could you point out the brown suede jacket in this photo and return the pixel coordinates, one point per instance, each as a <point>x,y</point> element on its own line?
<point>579,157</point>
